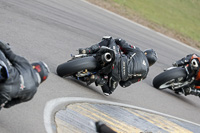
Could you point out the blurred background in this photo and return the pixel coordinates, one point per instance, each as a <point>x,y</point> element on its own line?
<point>178,19</point>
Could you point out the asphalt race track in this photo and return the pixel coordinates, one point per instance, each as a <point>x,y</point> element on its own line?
<point>52,30</point>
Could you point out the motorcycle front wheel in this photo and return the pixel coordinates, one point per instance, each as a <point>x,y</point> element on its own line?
<point>169,78</point>
<point>78,64</point>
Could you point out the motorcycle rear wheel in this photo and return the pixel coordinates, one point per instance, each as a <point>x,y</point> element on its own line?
<point>78,64</point>
<point>167,78</point>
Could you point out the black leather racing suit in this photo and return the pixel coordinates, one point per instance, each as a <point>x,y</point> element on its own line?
<point>22,82</point>
<point>130,67</point>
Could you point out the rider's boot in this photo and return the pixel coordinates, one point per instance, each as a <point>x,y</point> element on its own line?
<point>109,89</point>
<point>186,90</point>
<point>90,50</point>
<point>192,91</point>
<point>195,92</point>
<point>106,90</point>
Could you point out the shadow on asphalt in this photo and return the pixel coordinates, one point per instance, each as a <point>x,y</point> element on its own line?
<point>95,89</point>
<point>180,97</point>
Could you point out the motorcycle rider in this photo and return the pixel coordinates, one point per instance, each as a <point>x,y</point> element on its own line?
<point>192,61</point>
<point>130,65</point>
<point>19,80</point>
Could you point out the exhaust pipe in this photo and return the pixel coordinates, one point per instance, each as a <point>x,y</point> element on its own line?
<point>106,57</point>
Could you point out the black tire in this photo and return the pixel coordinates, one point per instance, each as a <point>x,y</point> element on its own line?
<point>167,76</point>
<point>71,67</point>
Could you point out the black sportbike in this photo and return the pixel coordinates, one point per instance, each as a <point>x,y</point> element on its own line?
<point>83,66</point>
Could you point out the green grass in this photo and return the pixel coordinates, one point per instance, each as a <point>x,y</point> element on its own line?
<point>182,16</point>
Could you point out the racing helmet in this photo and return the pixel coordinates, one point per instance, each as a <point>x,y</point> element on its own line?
<point>151,56</point>
<point>4,74</point>
<point>42,69</point>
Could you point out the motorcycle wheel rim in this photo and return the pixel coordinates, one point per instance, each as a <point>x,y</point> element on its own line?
<point>172,83</point>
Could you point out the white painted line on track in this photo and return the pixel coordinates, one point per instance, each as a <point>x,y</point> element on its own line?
<point>55,105</point>
<point>187,46</point>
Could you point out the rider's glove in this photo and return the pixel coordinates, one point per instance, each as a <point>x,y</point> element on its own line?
<point>175,64</point>
<point>82,51</point>
<point>178,63</point>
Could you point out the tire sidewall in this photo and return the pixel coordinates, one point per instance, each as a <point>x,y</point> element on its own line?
<point>168,75</point>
